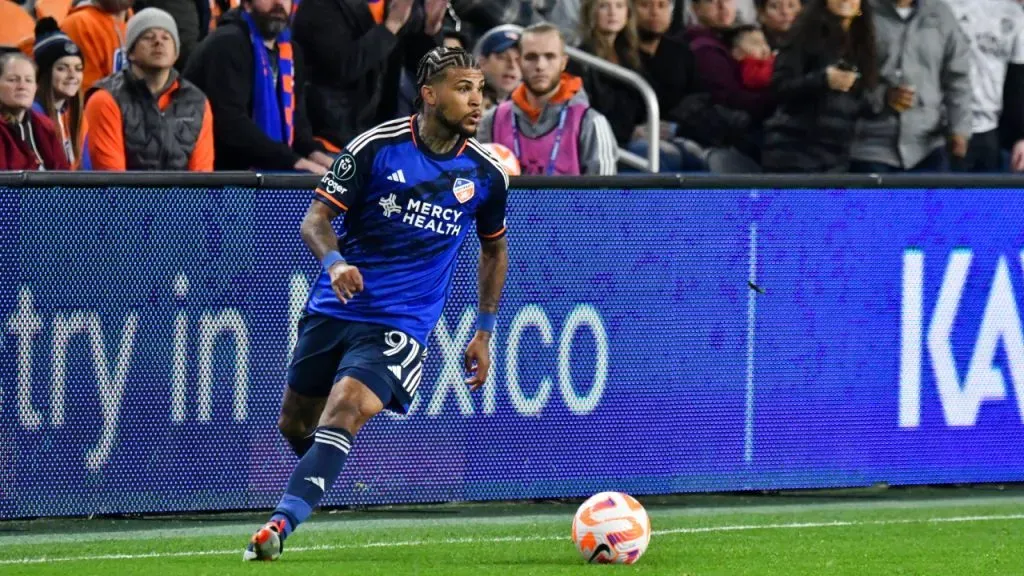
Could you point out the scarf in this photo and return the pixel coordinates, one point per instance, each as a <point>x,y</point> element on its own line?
<point>756,73</point>
<point>273,112</point>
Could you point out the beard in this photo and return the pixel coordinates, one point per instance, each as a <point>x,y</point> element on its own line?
<point>453,126</point>
<point>271,24</point>
<point>542,89</point>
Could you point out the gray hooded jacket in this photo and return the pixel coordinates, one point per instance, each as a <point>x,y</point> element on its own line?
<point>597,147</point>
<point>928,51</point>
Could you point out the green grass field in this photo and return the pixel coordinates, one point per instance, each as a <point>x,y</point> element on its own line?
<point>923,532</point>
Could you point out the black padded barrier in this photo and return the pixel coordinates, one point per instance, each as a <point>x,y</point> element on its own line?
<point>625,181</point>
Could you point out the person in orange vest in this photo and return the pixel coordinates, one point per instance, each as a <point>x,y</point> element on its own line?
<point>98,28</point>
<point>146,117</point>
<point>59,96</point>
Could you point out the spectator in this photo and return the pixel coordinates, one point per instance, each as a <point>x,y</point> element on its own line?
<point>192,17</point>
<point>666,61</point>
<point>776,17</point>
<point>60,86</point>
<point>254,76</point>
<point>822,76</point>
<point>995,31</point>
<point>146,117</point>
<point>667,64</point>
<point>97,27</point>
<point>17,29</point>
<point>718,72</point>
<point>548,122</point>
<point>750,48</point>
<point>924,98</point>
<point>28,140</point>
<point>608,30</point>
<point>498,53</point>
<point>356,52</point>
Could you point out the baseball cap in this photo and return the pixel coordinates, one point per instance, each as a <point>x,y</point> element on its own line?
<point>497,40</point>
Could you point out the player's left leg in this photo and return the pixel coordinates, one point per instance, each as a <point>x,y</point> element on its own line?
<point>299,417</point>
<point>350,405</point>
<point>380,369</point>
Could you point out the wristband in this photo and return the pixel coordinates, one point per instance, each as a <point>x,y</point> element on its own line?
<point>485,322</point>
<point>332,258</point>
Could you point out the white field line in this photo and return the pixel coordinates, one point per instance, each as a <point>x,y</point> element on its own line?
<point>330,522</point>
<point>449,541</point>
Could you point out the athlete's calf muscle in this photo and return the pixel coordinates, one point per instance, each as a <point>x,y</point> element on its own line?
<point>299,414</point>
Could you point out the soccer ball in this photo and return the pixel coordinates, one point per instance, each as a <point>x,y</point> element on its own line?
<point>611,528</point>
<point>508,160</point>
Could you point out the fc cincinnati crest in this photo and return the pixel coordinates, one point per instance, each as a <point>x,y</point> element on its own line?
<point>463,189</point>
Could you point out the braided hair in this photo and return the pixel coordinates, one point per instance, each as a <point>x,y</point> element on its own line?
<point>437,62</point>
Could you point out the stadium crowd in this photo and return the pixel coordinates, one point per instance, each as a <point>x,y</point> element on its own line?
<point>743,86</point>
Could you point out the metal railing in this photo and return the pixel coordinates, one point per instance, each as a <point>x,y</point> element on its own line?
<point>650,102</point>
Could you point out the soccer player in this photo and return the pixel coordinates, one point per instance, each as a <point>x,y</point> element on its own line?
<point>408,190</point>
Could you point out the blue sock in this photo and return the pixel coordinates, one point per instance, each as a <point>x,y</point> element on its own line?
<point>314,475</point>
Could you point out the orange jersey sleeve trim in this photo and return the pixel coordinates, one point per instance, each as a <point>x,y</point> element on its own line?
<point>106,132</point>
<point>324,193</point>
<point>202,154</point>
<point>495,235</point>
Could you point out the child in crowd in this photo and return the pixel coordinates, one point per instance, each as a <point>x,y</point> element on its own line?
<point>750,48</point>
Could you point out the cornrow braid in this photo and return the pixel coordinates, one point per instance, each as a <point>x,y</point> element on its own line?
<point>440,59</point>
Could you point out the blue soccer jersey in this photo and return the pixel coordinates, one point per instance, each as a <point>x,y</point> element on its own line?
<point>407,213</point>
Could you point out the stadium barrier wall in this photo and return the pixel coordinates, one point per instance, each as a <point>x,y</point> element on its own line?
<point>657,335</point>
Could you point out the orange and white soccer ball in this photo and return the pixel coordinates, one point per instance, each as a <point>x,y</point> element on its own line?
<point>611,528</point>
<point>508,160</point>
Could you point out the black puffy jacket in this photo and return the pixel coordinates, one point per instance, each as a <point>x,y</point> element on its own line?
<point>813,127</point>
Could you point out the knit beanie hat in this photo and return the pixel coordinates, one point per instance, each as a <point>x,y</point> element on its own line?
<point>150,18</point>
<point>52,45</point>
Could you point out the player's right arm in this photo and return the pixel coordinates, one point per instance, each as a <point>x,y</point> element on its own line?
<point>338,187</point>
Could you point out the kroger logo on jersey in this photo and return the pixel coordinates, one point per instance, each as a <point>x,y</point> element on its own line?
<point>425,215</point>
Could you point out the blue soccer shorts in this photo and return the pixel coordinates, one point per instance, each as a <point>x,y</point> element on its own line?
<point>388,361</point>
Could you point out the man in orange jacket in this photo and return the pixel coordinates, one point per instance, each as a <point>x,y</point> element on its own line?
<point>98,28</point>
<point>126,131</point>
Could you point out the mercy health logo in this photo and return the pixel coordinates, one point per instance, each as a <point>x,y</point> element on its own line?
<point>433,217</point>
<point>931,337</point>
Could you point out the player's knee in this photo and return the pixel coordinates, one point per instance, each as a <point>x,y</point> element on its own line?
<point>348,415</point>
<point>350,407</point>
